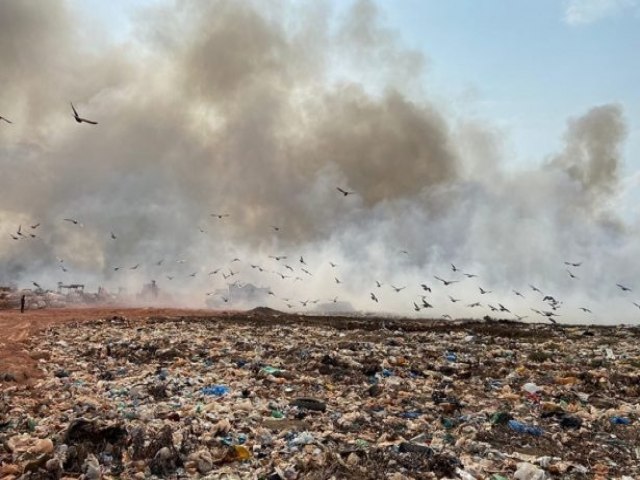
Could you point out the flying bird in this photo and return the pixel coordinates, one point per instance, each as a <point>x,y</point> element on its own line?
<point>472,305</point>
<point>503,308</point>
<point>623,288</point>
<point>572,275</point>
<point>344,192</point>
<point>446,282</point>
<point>289,267</point>
<point>398,289</point>
<point>470,275</point>
<point>425,287</point>
<point>306,271</point>
<point>302,261</point>
<point>374,298</point>
<point>416,307</point>
<point>448,317</point>
<point>159,262</point>
<point>79,119</point>
<point>636,304</point>
<point>378,284</point>
<point>35,284</point>
<point>333,265</point>
<point>570,264</point>
<point>113,237</point>
<point>277,258</point>
<point>5,119</point>
<point>337,280</point>
<point>220,216</point>
<point>454,268</point>
<point>275,228</point>
<point>483,291</point>
<point>135,267</point>
<point>518,293</point>
<point>72,220</point>
<point>585,310</point>
<point>535,289</point>
<point>453,300</point>
<point>35,226</point>
<point>426,304</point>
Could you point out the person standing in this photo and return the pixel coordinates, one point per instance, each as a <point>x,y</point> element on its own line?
<point>22,302</point>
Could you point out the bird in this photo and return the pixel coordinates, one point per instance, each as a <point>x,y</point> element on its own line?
<point>113,237</point>
<point>306,271</point>
<point>570,264</point>
<point>115,269</point>
<point>79,119</point>
<point>454,268</point>
<point>14,237</point>
<point>134,267</point>
<point>426,304</point>
<point>470,275</point>
<point>5,119</point>
<point>483,291</point>
<point>214,272</point>
<point>398,289</point>
<point>472,305</point>
<point>492,308</point>
<point>169,277</point>
<point>337,280</point>
<point>416,307</point>
<point>72,220</point>
<point>335,300</point>
<point>636,304</point>
<point>62,267</point>
<point>374,298</point>
<point>236,259</point>
<point>425,287</point>
<point>302,261</point>
<point>520,317</point>
<point>159,262</point>
<point>585,310</point>
<point>35,284</point>
<point>19,232</point>
<point>193,274</point>
<point>503,308</point>
<point>453,300</point>
<point>304,304</point>
<point>623,288</point>
<point>572,275</point>
<point>535,289</point>
<point>201,230</point>
<point>448,317</point>
<point>378,284</point>
<point>220,216</point>
<point>518,293</point>
<point>275,228</point>
<point>282,275</point>
<point>344,192</point>
<point>446,282</point>
<point>277,258</point>
<point>333,265</point>
<point>225,299</point>
<point>404,252</point>
<point>35,226</point>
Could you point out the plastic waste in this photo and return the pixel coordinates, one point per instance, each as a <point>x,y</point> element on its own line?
<point>217,390</point>
<point>524,428</point>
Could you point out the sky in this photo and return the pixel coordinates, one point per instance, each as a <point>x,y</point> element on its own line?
<point>500,136</point>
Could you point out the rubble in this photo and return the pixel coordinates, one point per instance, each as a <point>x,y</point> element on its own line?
<point>288,397</point>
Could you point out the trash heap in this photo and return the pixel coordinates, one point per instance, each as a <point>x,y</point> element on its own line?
<point>270,396</point>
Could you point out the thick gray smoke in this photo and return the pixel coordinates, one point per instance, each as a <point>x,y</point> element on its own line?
<point>232,107</point>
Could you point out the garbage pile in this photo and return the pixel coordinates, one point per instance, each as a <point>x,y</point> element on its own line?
<point>65,296</point>
<point>289,397</point>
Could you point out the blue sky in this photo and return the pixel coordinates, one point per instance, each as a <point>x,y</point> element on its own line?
<point>521,67</point>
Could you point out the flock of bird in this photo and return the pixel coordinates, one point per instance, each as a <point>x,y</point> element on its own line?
<point>421,301</point>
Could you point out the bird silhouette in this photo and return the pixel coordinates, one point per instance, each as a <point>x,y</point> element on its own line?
<point>335,300</point>
<point>192,275</point>
<point>475,304</point>
<point>344,192</point>
<point>79,119</point>
<point>306,271</point>
<point>447,316</point>
<point>220,216</point>
<point>623,288</point>
<point>337,280</point>
<point>14,237</point>
<point>302,261</point>
<point>333,265</point>
<point>275,228</point>
<point>289,267</point>
<point>483,291</point>
<point>586,310</point>
<point>374,298</point>
<point>425,287</point>
<point>416,307</point>
<point>135,267</point>
<point>570,264</point>
<point>113,237</point>
<point>454,268</point>
<point>35,226</point>
<point>159,262</point>
<point>5,119</point>
<point>572,275</point>
<point>518,293</point>
<point>378,284</point>
<point>426,304</point>
<point>446,282</point>
<point>72,220</point>
<point>470,275</point>
<point>453,300</point>
<point>503,308</point>
<point>636,304</point>
<point>277,258</point>
<point>535,289</point>
<point>398,289</point>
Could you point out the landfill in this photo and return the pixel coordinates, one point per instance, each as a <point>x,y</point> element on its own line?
<point>268,395</point>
